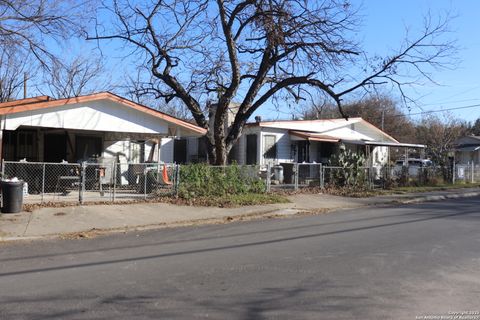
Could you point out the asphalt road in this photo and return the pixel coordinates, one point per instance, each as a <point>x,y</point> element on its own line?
<point>376,263</point>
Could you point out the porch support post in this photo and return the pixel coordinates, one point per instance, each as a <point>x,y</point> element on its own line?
<point>1,143</point>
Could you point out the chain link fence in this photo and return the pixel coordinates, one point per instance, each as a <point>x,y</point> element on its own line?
<point>311,175</point>
<point>467,173</point>
<point>103,181</point>
<point>109,181</point>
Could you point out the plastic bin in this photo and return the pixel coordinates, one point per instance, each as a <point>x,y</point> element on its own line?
<point>278,173</point>
<point>12,196</point>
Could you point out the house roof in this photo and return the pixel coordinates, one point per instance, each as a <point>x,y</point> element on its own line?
<point>313,136</point>
<point>44,102</point>
<point>323,126</point>
<point>467,148</point>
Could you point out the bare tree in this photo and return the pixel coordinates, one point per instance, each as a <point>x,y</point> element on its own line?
<point>29,25</point>
<point>440,134</point>
<point>140,91</point>
<point>13,72</point>
<point>78,77</point>
<point>252,51</point>
<point>380,110</point>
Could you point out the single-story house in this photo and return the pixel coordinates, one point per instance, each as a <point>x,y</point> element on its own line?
<point>312,141</point>
<point>467,150</point>
<point>85,128</point>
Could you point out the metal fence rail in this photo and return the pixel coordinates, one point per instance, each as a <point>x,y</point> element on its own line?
<point>105,181</point>
<point>109,181</point>
<point>312,175</point>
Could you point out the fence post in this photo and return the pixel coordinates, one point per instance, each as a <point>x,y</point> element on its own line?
<point>145,182</point>
<point>43,182</point>
<point>82,182</point>
<point>322,181</point>
<point>320,176</point>
<point>473,169</point>
<point>453,172</point>
<point>114,177</point>
<point>295,177</point>
<point>269,177</point>
<point>177,179</point>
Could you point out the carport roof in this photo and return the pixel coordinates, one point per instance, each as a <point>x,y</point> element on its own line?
<point>43,102</point>
<point>468,148</point>
<point>312,136</point>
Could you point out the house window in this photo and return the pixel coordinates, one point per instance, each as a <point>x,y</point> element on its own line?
<point>88,148</point>
<point>180,151</point>
<point>202,150</point>
<point>325,151</point>
<point>270,147</point>
<point>251,149</point>
<point>21,144</point>
<point>303,151</point>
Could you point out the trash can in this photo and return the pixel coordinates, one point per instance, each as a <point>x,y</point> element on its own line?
<point>12,196</point>
<point>287,172</point>
<point>278,173</point>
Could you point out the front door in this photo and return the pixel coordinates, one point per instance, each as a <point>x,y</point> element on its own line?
<point>87,148</point>
<point>55,147</point>
<point>251,149</point>
<point>180,151</point>
<point>303,151</point>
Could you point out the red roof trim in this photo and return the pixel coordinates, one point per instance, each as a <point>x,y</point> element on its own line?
<point>312,136</point>
<point>12,108</point>
<point>25,101</point>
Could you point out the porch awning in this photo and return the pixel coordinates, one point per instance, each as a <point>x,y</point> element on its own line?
<point>468,148</point>
<point>312,136</point>
<point>395,144</point>
<point>385,144</point>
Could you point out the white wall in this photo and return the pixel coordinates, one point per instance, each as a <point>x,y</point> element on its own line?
<point>371,132</point>
<point>95,116</point>
<point>166,150</point>
<point>283,145</point>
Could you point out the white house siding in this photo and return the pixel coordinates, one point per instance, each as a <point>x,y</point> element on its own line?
<point>283,145</point>
<point>166,150</point>
<point>94,116</point>
<point>371,132</point>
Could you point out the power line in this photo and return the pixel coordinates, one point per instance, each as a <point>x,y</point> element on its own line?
<point>434,111</point>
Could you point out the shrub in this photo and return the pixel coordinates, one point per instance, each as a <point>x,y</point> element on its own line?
<point>199,180</point>
<point>351,173</point>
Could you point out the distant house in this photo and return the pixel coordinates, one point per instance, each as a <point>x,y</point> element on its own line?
<point>101,125</point>
<point>312,141</point>
<point>467,150</point>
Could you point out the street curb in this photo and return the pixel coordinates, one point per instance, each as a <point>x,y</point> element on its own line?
<point>248,216</point>
<point>437,198</point>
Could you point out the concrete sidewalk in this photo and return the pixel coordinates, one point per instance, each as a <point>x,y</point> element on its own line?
<point>82,221</point>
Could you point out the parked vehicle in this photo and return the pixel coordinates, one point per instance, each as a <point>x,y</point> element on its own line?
<point>413,166</point>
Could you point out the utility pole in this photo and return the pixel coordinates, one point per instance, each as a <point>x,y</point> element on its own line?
<point>24,85</point>
<point>383,118</point>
